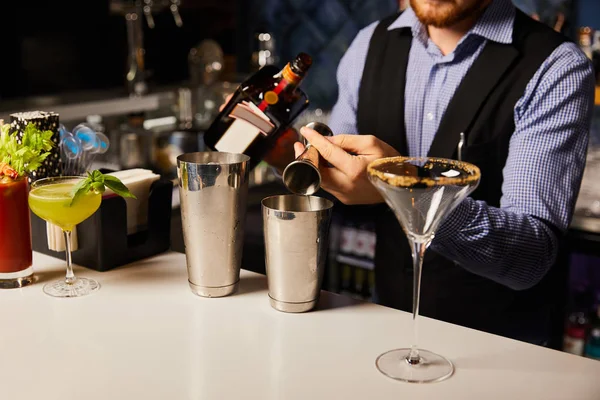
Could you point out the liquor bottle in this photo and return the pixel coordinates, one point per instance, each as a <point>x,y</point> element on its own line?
<point>365,292</point>
<point>370,286</point>
<point>359,281</point>
<point>348,237</point>
<point>574,339</point>
<point>333,269</point>
<point>586,41</point>
<point>346,248</point>
<point>260,110</point>
<point>577,323</point>
<point>592,346</point>
<point>361,249</point>
<point>365,244</point>
<point>347,281</point>
<point>363,262</point>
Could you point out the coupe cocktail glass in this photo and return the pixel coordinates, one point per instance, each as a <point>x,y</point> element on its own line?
<point>50,199</point>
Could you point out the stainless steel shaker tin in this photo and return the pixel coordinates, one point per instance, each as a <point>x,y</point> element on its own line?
<point>296,232</point>
<point>213,188</point>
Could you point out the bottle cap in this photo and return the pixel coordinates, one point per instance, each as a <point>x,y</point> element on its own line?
<point>301,63</point>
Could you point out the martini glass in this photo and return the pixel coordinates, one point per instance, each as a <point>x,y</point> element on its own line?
<point>50,199</point>
<point>421,192</point>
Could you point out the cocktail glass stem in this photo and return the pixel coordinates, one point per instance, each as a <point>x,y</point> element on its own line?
<point>70,278</point>
<point>418,252</point>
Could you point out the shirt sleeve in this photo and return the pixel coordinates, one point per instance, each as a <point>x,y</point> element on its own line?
<point>516,244</point>
<point>349,75</point>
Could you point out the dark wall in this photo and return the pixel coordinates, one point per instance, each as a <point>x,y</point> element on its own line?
<point>588,13</point>
<point>322,28</point>
<point>51,47</point>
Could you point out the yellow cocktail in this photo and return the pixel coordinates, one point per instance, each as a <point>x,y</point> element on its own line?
<point>51,199</point>
<point>52,203</point>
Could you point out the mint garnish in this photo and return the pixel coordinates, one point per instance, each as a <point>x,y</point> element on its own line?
<point>97,182</point>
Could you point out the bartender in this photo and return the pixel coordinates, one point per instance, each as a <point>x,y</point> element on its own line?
<point>522,95</point>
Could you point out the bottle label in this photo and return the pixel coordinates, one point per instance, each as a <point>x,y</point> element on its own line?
<point>249,122</point>
<point>371,245</point>
<point>272,96</point>
<point>351,248</point>
<point>363,243</point>
<point>573,345</point>
<point>348,240</point>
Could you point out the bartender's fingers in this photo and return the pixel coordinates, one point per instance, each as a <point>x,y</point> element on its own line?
<point>334,181</point>
<point>298,149</point>
<point>363,145</point>
<point>330,151</point>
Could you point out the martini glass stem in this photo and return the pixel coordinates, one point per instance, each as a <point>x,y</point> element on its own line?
<point>418,252</point>
<point>70,278</point>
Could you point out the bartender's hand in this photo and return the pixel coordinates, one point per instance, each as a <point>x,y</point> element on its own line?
<point>282,152</point>
<point>348,180</point>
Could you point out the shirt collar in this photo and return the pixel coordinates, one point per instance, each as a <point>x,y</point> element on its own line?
<point>495,24</point>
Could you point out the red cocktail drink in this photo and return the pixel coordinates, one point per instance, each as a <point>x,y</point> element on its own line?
<point>15,233</point>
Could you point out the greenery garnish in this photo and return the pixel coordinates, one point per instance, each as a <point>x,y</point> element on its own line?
<point>28,155</point>
<point>98,182</point>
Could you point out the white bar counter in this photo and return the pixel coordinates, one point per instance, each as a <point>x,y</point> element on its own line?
<point>144,335</point>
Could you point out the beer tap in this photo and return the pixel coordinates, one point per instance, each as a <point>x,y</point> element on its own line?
<point>134,11</point>
<point>175,11</point>
<point>135,73</point>
<point>148,13</point>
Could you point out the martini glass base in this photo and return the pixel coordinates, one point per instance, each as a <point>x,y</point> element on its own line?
<point>80,287</point>
<point>432,368</point>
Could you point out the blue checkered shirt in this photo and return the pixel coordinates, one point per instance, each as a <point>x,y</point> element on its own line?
<point>515,244</point>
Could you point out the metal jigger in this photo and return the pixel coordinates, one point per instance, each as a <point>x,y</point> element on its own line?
<point>302,175</point>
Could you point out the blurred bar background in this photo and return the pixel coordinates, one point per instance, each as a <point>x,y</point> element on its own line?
<point>151,74</point>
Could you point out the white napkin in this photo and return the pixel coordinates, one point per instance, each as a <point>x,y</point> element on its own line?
<point>138,181</point>
<point>56,238</point>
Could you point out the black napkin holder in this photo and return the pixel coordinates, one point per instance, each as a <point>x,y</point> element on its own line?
<point>103,242</point>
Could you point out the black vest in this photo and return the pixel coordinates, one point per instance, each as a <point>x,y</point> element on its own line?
<point>483,108</point>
